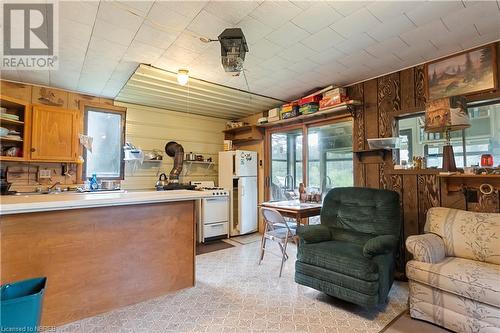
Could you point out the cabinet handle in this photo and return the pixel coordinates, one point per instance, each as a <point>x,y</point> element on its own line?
<point>33,150</point>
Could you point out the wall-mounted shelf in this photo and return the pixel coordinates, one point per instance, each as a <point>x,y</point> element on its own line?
<point>457,182</point>
<point>11,121</point>
<point>206,164</point>
<point>360,154</point>
<point>243,135</point>
<point>347,107</point>
<point>21,125</point>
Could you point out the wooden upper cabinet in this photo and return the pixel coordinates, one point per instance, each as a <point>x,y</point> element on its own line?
<point>54,134</point>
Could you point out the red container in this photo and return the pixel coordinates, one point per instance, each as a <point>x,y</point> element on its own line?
<point>310,99</point>
<point>486,160</point>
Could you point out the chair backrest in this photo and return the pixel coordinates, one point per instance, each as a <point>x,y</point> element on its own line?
<point>362,210</point>
<point>468,235</point>
<point>273,219</point>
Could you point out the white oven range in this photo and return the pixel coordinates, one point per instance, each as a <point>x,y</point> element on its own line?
<point>213,212</point>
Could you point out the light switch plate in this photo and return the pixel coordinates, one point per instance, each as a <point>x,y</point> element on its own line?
<point>43,174</point>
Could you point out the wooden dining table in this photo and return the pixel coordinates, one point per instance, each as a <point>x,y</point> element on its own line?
<point>300,211</point>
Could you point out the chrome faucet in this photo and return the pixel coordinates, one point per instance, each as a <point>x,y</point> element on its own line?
<point>289,185</point>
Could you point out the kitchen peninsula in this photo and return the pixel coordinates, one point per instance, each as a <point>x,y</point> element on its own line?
<point>99,251</point>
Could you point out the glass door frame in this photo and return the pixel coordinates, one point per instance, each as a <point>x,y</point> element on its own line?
<point>304,126</point>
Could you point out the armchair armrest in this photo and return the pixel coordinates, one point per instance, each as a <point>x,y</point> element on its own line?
<point>314,233</point>
<point>426,248</point>
<point>380,245</point>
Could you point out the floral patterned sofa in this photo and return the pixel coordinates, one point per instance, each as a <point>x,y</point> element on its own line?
<point>454,276</point>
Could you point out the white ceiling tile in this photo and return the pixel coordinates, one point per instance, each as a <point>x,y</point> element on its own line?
<point>287,35</point>
<point>391,28</point>
<point>124,70</point>
<point>387,10</point>
<point>322,40</point>
<point>140,7</point>
<point>186,8</point>
<point>143,53</point>
<point>317,17</point>
<point>208,25</point>
<point>106,49</point>
<point>189,40</point>
<point>365,21</point>
<point>297,52</point>
<point>264,49</point>
<point>113,33</point>
<point>424,32</point>
<point>79,11</point>
<point>275,63</point>
<point>11,75</point>
<point>358,58</point>
<point>152,34</point>
<point>118,16</point>
<point>355,43</point>
<point>346,8</point>
<point>69,29</point>
<point>327,56</point>
<point>162,10</point>
<point>303,4</point>
<point>168,64</point>
<point>275,13</point>
<point>432,10</point>
<point>179,54</point>
<point>379,50</point>
<point>64,79</point>
<point>488,24</point>
<point>254,30</point>
<point>303,66</point>
<point>36,77</point>
<point>231,11</point>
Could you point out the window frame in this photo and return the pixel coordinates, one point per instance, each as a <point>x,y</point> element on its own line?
<point>122,112</point>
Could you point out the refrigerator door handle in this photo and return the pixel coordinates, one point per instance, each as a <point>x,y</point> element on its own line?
<point>242,190</point>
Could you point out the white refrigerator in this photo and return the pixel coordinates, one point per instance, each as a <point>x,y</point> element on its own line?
<point>238,174</point>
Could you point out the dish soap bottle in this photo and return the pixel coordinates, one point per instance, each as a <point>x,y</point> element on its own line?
<point>93,183</point>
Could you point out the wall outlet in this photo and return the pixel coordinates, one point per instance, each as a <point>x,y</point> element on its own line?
<point>44,174</point>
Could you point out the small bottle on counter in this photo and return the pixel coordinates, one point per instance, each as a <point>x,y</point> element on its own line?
<point>94,185</point>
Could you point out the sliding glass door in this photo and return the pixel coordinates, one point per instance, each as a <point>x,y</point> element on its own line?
<point>329,156</point>
<point>286,164</point>
<point>317,155</point>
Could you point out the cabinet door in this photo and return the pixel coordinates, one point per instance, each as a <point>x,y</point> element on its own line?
<point>54,136</point>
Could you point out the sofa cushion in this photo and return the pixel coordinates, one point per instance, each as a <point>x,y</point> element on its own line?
<point>472,279</point>
<point>341,257</point>
<point>468,235</point>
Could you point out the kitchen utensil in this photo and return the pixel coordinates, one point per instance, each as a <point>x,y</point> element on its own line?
<point>199,158</point>
<point>162,181</point>
<point>190,156</point>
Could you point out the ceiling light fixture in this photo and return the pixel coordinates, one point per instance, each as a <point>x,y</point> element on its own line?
<point>182,76</point>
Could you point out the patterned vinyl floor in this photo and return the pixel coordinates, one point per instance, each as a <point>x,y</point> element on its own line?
<point>234,294</point>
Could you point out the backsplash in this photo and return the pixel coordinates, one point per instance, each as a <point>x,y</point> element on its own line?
<point>24,176</point>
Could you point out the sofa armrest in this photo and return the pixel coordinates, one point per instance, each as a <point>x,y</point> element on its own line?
<point>314,233</point>
<point>426,248</point>
<point>380,245</point>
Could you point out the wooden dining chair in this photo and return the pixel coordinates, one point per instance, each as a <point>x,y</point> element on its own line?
<point>278,230</point>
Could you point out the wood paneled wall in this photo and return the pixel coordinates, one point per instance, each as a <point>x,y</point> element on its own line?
<point>387,97</point>
<point>151,128</point>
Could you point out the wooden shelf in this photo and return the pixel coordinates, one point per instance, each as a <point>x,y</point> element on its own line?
<point>12,159</point>
<point>11,121</point>
<point>238,129</point>
<point>428,171</point>
<point>347,106</point>
<point>10,139</point>
<point>470,176</point>
<point>371,152</point>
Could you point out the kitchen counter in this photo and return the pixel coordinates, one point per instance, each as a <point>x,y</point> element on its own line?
<point>99,251</point>
<point>16,204</point>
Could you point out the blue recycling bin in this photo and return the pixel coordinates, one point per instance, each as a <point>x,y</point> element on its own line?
<point>21,305</point>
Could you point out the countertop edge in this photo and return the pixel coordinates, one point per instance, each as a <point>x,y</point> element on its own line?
<point>82,203</point>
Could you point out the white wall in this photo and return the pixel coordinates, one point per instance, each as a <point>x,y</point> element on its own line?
<point>151,128</point>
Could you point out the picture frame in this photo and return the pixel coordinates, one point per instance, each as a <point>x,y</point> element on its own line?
<point>470,72</point>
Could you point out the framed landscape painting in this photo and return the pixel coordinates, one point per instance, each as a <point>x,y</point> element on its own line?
<point>461,74</point>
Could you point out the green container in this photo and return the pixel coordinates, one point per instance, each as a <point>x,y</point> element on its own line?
<point>21,305</point>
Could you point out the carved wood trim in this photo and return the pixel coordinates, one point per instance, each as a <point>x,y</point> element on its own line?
<point>420,84</point>
<point>388,102</point>
<point>428,197</point>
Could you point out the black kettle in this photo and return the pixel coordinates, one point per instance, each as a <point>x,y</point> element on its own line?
<point>162,181</point>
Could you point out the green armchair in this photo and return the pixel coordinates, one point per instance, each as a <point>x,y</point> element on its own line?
<point>350,255</point>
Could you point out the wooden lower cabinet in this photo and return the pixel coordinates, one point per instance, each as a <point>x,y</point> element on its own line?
<point>99,259</point>
<point>54,134</point>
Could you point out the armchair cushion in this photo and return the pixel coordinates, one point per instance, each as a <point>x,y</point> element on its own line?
<point>314,233</point>
<point>383,244</point>
<point>341,257</point>
<point>426,248</point>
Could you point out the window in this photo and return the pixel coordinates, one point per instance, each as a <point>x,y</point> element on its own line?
<point>329,159</point>
<point>107,129</point>
<point>482,137</point>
